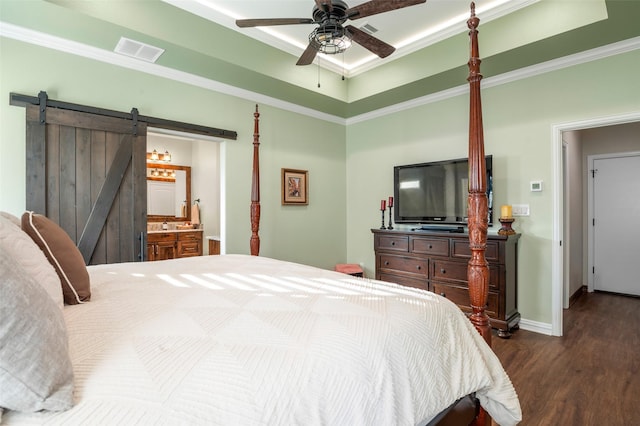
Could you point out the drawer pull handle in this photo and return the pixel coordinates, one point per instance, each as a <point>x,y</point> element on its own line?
<point>386,263</point>
<point>393,243</point>
<point>430,246</point>
<point>418,267</point>
<point>443,295</point>
<point>443,271</point>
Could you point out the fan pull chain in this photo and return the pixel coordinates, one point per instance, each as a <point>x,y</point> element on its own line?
<point>343,65</point>
<point>318,72</point>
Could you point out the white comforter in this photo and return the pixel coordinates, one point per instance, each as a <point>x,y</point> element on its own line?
<point>241,340</point>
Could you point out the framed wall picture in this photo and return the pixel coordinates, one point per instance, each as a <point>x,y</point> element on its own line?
<point>295,187</point>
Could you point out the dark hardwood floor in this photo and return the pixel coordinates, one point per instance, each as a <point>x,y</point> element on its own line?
<point>590,376</point>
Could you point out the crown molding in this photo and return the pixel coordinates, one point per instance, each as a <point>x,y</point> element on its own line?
<point>489,10</point>
<point>68,46</point>
<point>508,77</point>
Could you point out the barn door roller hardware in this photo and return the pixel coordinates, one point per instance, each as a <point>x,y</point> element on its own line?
<point>43,101</point>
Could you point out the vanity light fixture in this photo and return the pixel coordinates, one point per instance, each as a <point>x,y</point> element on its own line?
<point>163,173</point>
<point>155,157</point>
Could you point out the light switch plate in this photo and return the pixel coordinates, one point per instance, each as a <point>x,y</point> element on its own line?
<point>520,209</point>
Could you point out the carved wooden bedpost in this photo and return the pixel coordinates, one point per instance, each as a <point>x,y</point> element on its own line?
<point>255,188</point>
<point>478,270</point>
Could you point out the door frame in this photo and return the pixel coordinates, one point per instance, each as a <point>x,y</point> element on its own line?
<point>591,206</point>
<point>222,159</point>
<point>566,217</point>
<point>557,251</point>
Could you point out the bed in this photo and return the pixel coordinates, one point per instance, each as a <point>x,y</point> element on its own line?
<point>241,339</point>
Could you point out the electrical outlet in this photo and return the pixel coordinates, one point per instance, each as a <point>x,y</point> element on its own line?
<point>520,209</point>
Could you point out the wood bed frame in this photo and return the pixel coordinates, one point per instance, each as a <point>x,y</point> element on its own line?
<point>478,269</point>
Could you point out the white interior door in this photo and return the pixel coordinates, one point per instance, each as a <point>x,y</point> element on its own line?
<point>616,234</point>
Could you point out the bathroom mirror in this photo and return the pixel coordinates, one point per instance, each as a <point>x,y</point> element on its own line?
<point>168,196</point>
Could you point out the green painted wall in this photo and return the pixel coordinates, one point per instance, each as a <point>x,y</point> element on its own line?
<point>287,140</point>
<point>350,169</point>
<point>518,120</point>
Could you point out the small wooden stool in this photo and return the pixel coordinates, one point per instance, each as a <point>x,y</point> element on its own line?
<point>350,268</point>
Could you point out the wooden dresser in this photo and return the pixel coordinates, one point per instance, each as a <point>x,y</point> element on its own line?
<point>437,261</point>
<point>173,244</point>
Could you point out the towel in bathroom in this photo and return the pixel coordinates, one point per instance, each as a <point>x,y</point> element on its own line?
<point>183,210</point>
<point>195,214</point>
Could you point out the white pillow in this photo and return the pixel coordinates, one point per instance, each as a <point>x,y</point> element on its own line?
<point>29,256</point>
<point>35,368</point>
<point>12,218</point>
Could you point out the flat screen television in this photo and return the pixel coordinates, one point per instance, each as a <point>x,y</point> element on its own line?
<point>436,193</point>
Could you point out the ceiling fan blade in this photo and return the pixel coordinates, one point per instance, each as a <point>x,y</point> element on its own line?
<point>369,42</point>
<point>245,23</point>
<point>308,55</point>
<point>374,7</point>
<point>325,5</point>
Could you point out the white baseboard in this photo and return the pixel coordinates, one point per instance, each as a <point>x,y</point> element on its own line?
<point>536,327</point>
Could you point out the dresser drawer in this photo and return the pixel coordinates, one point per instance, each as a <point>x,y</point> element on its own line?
<point>460,296</point>
<point>412,265</point>
<point>161,237</point>
<point>405,281</point>
<point>432,246</point>
<point>448,271</point>
<point>444,270</point>
<point>189,248</point>
<point>460,248</point>
<point>189,236</point>
<point>392,242</point>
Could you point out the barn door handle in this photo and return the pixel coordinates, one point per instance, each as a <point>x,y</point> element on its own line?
<point>142,247</point>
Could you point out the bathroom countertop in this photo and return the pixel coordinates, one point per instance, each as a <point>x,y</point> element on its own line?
<point>160,231</point>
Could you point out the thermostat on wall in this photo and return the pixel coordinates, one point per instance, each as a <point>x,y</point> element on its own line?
<point>536,185</point>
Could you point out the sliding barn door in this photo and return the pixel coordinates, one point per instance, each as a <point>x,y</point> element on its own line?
<point>87,172</point>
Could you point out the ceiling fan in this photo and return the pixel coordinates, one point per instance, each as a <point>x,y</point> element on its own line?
<point>330,36</point>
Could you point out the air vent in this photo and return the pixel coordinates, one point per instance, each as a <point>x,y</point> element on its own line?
<point>138,50</point>
<point>368,28</point>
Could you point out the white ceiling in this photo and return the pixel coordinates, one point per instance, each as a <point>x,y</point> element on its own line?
<point>408,29</point>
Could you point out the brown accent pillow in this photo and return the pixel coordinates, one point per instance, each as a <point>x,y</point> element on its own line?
<point>62,253</point>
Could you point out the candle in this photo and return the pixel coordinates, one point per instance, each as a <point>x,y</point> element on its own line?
<point>390,202</point>
<point>505,212</point>
<point>383,205</point>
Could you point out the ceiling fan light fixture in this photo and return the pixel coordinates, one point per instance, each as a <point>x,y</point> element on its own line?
<point>330,40</point>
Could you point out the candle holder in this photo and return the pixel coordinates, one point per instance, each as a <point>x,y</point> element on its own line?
<point>382,211</point>
<point>506,226</point>
<point>390,219</point>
